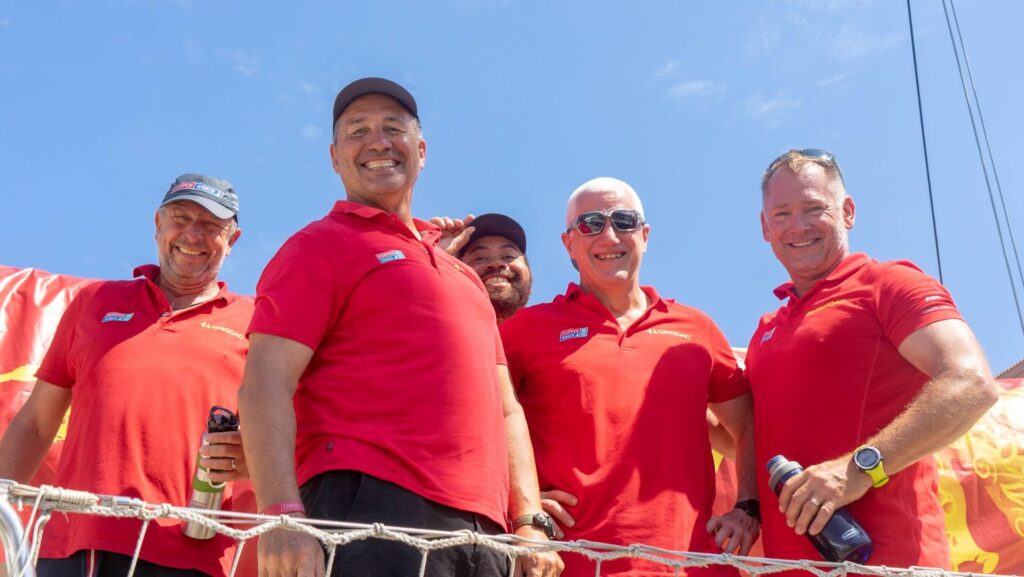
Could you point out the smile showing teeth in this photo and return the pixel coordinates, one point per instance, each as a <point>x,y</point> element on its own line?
<point>189,251</point>
<point>802,244</point>
<point>376,164</point>
<point>611,256</point>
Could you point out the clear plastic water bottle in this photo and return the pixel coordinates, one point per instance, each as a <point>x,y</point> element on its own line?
<point>205,493</point>
<point>842,539</point>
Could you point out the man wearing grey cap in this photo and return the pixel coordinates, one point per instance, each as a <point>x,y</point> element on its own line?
<point>126,355</point>
<point>377,373</point>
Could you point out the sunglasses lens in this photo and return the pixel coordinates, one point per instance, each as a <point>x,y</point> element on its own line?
<point>625,220</point>
<point>590,223</point>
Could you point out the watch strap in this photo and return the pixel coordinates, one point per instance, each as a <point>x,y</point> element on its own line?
<point>751,507</point>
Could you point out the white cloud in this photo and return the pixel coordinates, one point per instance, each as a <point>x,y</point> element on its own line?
<point>770,111</point>
<point>243,64</point>
<point>852,43</point>
<point>311,132</point>
<point>695,88</point>
<point>833,80</point>
<point>666,70</point>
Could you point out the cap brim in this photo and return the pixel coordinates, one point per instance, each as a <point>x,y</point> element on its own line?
<point>217,209</point>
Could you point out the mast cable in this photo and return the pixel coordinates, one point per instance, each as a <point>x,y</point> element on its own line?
<point>924,145</point>
<point>981,157</point>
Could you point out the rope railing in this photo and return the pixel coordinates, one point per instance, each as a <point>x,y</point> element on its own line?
<point>334,534</point>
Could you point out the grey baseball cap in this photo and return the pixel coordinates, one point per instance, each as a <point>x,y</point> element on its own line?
<point>373,85</point>
<point>214,194</point>
<point>495,224</point>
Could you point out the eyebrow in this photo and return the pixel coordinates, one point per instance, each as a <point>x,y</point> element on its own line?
<point>363,118</point>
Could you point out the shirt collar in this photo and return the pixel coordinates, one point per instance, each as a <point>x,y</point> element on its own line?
<point>430,232</point>
<point>849,265</point>
<point>576,292</point>
<point>151,273</point>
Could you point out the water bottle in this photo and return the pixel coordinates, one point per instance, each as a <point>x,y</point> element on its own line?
<point>207,494</point>
<point>842,539</point>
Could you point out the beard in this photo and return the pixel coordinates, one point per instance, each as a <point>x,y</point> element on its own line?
<point>506,300</point>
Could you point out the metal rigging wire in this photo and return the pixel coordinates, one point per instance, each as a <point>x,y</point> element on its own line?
<point>924,143</point>
<point>964,81</point>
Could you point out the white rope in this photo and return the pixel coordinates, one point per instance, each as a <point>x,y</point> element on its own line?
<point>335,534</point>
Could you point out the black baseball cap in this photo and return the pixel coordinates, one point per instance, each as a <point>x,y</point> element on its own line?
<point>494,224</point>
<point>373,85</point>
<point>214,194</point>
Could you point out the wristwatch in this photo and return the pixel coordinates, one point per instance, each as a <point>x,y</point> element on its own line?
<point>869,459</point>
<point>751,507</point>
<point>540,521</point>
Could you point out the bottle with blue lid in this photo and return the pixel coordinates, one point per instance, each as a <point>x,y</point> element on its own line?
<point>842,539</point>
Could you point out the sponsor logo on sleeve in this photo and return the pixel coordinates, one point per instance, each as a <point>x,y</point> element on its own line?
<point>389,255</point>
<point>767,336</point>
<point>580,333</point>
<point>117,317</point>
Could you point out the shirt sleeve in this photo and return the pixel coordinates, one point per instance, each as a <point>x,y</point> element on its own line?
<point>908,299</point>
<point>300,293</point>
<point>509,335</point>
<point>727,379</point>
<point>58,367</point>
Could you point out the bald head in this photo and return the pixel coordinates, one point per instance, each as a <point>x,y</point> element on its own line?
<point>614,190</point>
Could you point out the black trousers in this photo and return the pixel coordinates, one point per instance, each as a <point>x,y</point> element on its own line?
<point>360,498</point>
<point>106,564</point>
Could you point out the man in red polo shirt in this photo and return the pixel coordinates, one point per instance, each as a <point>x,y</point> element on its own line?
<point>863,373</point>
<point>126,355</point>
<point>615,381</point>
<point>386,346</point>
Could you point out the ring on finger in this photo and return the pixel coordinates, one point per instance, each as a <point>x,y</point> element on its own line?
<point>815,501</point>
<point>234,467</point>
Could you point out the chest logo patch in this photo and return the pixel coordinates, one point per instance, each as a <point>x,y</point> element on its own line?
<point>579,333</point>
<point>389,255</point>
<point>117,317</point>
<point>768,335</point>
<point>225,330</point>
<point>669,333</point>
<point>825,306</point>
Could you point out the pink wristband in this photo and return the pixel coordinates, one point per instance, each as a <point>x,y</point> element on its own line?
<point>283,508</point>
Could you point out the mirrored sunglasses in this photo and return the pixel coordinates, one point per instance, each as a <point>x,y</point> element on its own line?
<point>591,223</point>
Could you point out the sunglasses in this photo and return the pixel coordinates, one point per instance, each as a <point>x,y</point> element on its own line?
<point>591,223</point>
<point>819,154</point>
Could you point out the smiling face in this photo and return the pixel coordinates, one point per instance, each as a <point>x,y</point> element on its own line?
<point>504,270</point>
<point>807,217</point>
<point>191,243</point>
<point>609,261</point>
<point>378,152</point>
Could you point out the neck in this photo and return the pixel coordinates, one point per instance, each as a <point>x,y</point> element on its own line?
<point>181,297</point>
<point>400,206</point>
<point>625,305</point>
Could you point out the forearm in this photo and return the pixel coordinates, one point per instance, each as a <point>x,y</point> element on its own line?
<point>946,408</point>
<point>22,449</point>
<point>268,437</point>
<point>524,490</point>
<point>746,465</point>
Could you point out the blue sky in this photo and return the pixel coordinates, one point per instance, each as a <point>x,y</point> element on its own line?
<point>105,102</point>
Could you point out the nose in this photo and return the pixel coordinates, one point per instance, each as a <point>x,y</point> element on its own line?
<point>495,263</point>
<point>380,141</point>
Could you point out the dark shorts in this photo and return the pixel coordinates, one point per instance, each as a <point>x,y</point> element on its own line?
<point>106,564</point>
<point>359,498</point>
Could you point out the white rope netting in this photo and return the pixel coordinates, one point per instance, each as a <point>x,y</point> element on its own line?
<point>242,527</point>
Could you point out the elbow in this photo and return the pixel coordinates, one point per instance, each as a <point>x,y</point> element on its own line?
<point>980,391</point>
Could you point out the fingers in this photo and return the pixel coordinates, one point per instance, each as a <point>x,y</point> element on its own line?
<point>284,553</point>
<point>554,502</point>
<point>223,438</point>
<point>735,532</point>
<point>547,564</point>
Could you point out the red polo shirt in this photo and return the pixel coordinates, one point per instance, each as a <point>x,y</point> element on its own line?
<point>826,374</point>
<point>142,380</point>
<point>403,381</point>
<point>617,418</point>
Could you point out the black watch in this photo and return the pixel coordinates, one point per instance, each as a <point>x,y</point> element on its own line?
<point>751,507</point>
<point>541,521</point>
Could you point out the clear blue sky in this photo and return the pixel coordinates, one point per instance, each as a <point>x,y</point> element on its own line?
<point>103,103</point>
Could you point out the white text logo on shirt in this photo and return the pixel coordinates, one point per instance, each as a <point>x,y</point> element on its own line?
<point>231,332</point>
<point>668,332</point>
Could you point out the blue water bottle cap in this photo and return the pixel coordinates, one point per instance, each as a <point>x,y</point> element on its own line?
<point>773,461</point>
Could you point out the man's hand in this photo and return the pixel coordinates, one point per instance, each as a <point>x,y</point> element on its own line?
<point>735,532</point>
<point>223,457</point>
<point>810,498</point>
<point>554,503</point>
<point>284,553</point>
<point>455,233</point>
<point>546,564</point>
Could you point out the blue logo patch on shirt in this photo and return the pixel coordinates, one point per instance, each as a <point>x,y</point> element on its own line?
<point>118,317</point>
<point>768,335</point>
<point>389,255</point>
<point>573,334</point>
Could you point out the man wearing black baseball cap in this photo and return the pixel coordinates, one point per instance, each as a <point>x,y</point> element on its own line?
<point>370,330</point>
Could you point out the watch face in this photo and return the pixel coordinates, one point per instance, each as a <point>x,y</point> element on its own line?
<point>867,458</point>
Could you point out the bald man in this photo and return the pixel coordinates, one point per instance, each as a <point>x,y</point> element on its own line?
<point>615,382</point>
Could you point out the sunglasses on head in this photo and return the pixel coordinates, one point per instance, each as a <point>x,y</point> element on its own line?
<point>591,223</point>
<point>819,154</point>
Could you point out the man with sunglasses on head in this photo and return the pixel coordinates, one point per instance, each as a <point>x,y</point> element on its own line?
<point>864,372</point>
<point>615,381</point>
<point>377,376</point>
